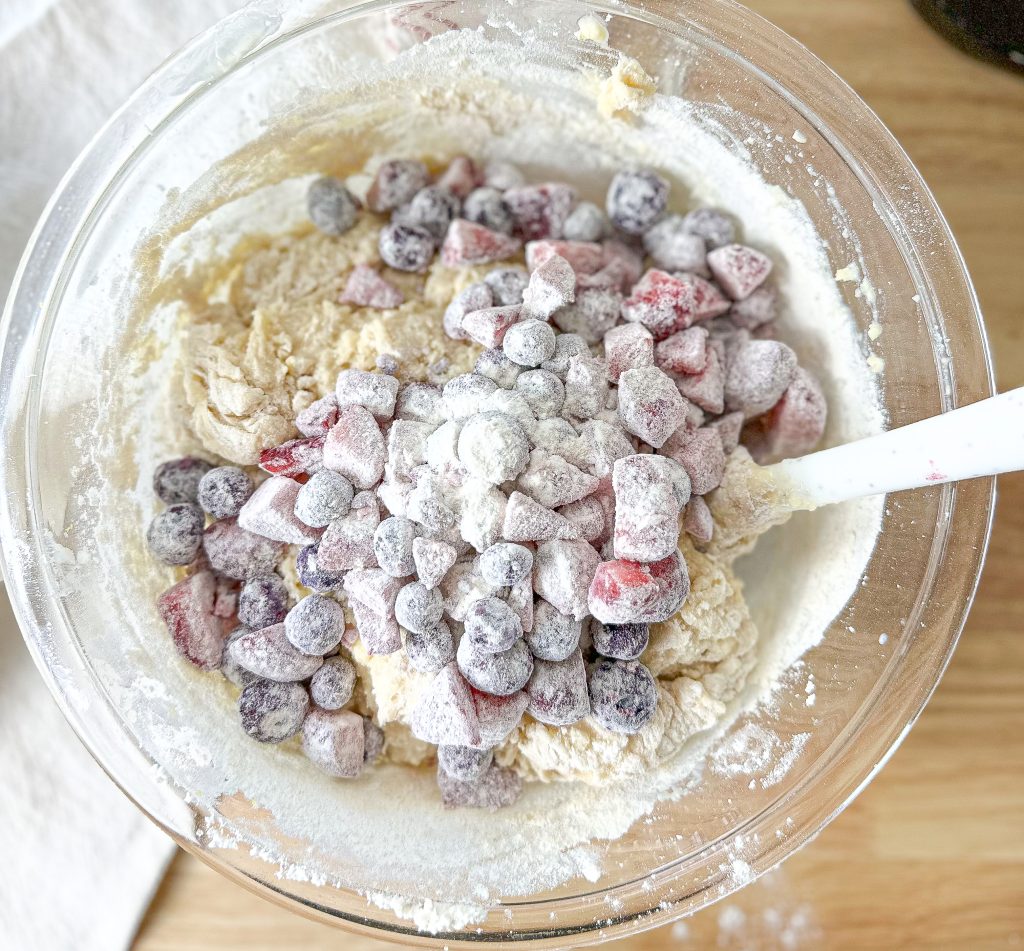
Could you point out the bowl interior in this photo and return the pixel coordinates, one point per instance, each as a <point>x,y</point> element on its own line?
<point>220,144</point>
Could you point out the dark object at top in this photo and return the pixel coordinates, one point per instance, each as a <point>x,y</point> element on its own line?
<point>991,29</point>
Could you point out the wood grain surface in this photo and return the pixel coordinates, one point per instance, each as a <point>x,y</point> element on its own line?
<point>932,854</point>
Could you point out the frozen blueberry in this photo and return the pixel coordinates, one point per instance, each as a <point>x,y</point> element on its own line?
<point>492,626</point>
<point>331,686</point>
<point>175,535</point>
<point>464,762</point>
<point>395,183</point>
<point>373,741</point>
<point>272,711</point>
<point>431,650</point>
<point>263,601</point>
<point>418,608</point>
<point>529,343</point>
<point>621,641</point>
<point>499,674</point>
<point>177,481</point>
<point>406,247</point>
<point>229,667</point>
<point>224,490</point>
<point>432,208</point>
<point>507,285</point>
<point>312,576</point>
<point>555,635</point>
<point>315,625</point>
<point>586,223</point>
<point>494,365</point>
<point>485,206</point>
<point>623,695</point>
<point>325,497</point>
<point>636,200</point>
<point>392,544</point>
<point>239,554</point>
<point>503,564</point>
<point>543,392</point>
<point>712,225</point>
<point>332,207</point>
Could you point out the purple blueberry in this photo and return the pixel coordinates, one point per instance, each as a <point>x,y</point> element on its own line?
<point>714,226</point>
<point>432,208</point>
<point>492,626</point>
<point>224,490</point>
<point>464,762</point>
<point>430,651</point>
<point>331,206</point>
<point>498,787</point>
<point>272,711</point>
<point>332,685</point>
<point>263,601</point>
<point>494,365</point>
<point>621,641</point>
<point>418,608</point>
<point>175,535</point>
<point>636,200</point>
<point>503,564</point>
<point>325,497</point>
<point>373,741</point>
<point>623,695</point>
<point>315,625</point>
<point>497,674</point>
<point>507,285</point>
<point>177,481</point>
<point>238,554</point>
<point>312,576</point>
<point>231,670</point>
<point>392,544</point>
<point>406,247</point>
<point>485,206</point>
<point>555,635</point>
<point>586,223</point>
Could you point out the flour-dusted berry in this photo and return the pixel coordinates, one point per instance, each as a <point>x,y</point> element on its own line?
<point>177,482</point>
<point>683,352</point>
<point>628,347</point>
<point>395,183</point>
<point>755,310</point>
<point>366,288</point>
<point>294,458</point>
<point>507,284</point>
<point>312,575</point>
<point>567,346</point>
<point>376,391</point>
<point>420,402</point>
<point>650,492</point>
<point>430,650</point>
<point>698,522</point>
<point>418,608</point>
<point>464,763</point>
<point>224,490</point>
<point>636,200</point>
<point>498,716</point>
<point>270,512</point>
<point>552,481</point>
<point>595,311</point>
<point>334,741</point>
<point>558,691</point>
<point>315,625</point>
<point>673,247</point>
<point>355,447</point>
<point>176,534</point>
<point>650,406</point>
<point>759,372</point>
<point>795,424</point>
<point>374,588</point>
<point>373,741</point>
<point>498,368</point>
<point>378,633</point>
<point>621,641</point>
<point>543,391</point>
<point>236,553</point>
<point>467,244</point>
<point>586,223</point>
<point>540,211</point>
<point>347,542</point>
<point>730,426</point>
<point>332,685</point>
<point>392,544</point>
<point>552,285</point>
<point>474,297</point>
<point>529,343</point>
<point>317,418</point>
<point>702,456</point>
<point>327,496</point>
<point>505,563</point>
<point>501,673</point>
<point>586,517</point>
<point>268,653</point>
<point>492,626</point>
<point>623,592</point>
<point>555,635</point>
<point>584,257</point>
<point>739,270</point>
<point>432,559</point>
<point>445,713</point>
<point>493,447</point>
<point>461,176</point>
<point>485,206</point>
<point>483,513</point>
<point>239,676</point>
<point>428,507</point>
<point>263,601</point>
<point>712,225</point>
<point>431,208</point>
<point>562,573</point>
<point>406,247</point>
<point>707,388</point>
<point>488,327</point>
<point>623,695</point>
<point>529,521</point>
<point>331,206</point>
<point>605,441</point>
<point>271,712</point>
<point>503,176</point>
<point>586,387</point>
<point>187,609</point>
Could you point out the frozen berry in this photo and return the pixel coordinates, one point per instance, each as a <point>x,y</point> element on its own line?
<point>175,535</point>
<point>406,247</point>
<point>673,247</point>
<point>622,641</point>
<point>758,374</point>
<point>239,554</point>
<point>623,695</point>
<point>472,298</point>
<point>628,347</point>
<point>379,633</point>
<point>268,653</point>
<point>584,257</point>
<point>331,686</point>
<point>378,392</point>
<point>567,346</point>
<point>586,223</point>
<point>263,601</point>
<point>315,625</point>
<point>586,387</point>
<point>331,206</point>
<point>177,481</point>
<point>498,716</point>
<point>395,183</point>
<point>467,244</point>
<point>507,284</point>
<point>698,521</point>
<point>494,447</point>
<point>562,573</point>
<point>488,327</point>
<point>460,177</point>
<point>500,673</point>
<point>432,559</point>
<point>529,343</point>
<point>627,591</point>
<point>636,200</point>
<point>595,312</point>
<point>445,713</point>
<point>497,788</point>
<point>484,206</point>
<point>366,288</point>
<point>431,208</point>
<point>325,497</point>
<point>707,388</point>
<point>587,517</point>
<point>187,609</point>
<point>712,225</point>
<point>552,481</point>
<point>270,512</point>
<point>739,269</point>
<point>418,608</point>
<point>334,741</point>
<point>555,635</point>
<point>492,626</point>
<point>504,564</point>
<point>650,492</point>
<point>464,762</point>
<point>317,418</point>
<point>239,676</point>
<point>543,391</point>
<point>756,310</point>
<point>294,458</point>
<point>683,352</point>
<point>650,405</point>
<point>529,521</point>
<point>729,428</point>
<point>392,544</point>
<point>373,741</point>
<point>552,285</point>
<point>541,211</point>
<point>348,542</point>
<point>272,712</point>
<point>702,456</point>
<point>420,402</point>
<point>558,691</point>
<point>431,649</point>
<point>503,176</point>
<point>311,575</point>
<point>224,490</point>
<point>355,447</point>
<point>498,368</point>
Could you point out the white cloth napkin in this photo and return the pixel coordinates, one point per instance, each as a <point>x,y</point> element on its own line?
<point>78,862</point>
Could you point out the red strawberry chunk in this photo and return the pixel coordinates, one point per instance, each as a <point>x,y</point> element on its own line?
<point>709,301</point>
<point>469,243</point>
<point>683,352</point>
<point>707,388</point>
<point>739,270</point>
<point>541,210</point>
<point>584,257</point>
<point>662,303</point>
<point>188,610</point>
<point>625,592</point>
<point>498,716</point>
<point>445,712</point>
<point>488,326</point>
<point>795,424</point>
<point>627,347</point>
<point>460,177</point>
<point>294,457</point>
<point>367,288</point>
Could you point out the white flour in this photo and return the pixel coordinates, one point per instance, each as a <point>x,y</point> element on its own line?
<point>387,835</point>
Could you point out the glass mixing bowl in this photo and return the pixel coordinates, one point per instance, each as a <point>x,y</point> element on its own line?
<point>242,87</point>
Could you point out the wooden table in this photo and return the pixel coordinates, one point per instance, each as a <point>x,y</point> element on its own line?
<point>932,854</point>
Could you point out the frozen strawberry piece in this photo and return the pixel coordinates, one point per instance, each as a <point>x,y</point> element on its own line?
<point>377,392</point>
<point>553,482</point>
<point>562,572</point>
<point>407,447</point>
<point>317,418</point>
<point>334,741</point>
<point>467,243</point>
<point>756,310</point>
<point>649,496</point>
<point>650,406</point>
<point>460,177</point>
<point>499,673</point>
<point>529,521</point>
<point>482,514</point>
<point>605,442</point>
<point>709,301</point>
<point>541,210</point>
<point>420,402</point>
<point>636,199</point>
<point>558,691</point>
<point>729,428</point>
<point>683,352</point>
<point>445,711</point>
<point>627,347</point>
<point>698,521</point>
<point>474,297</point>
<point>586,387</point>
<point>226,599</point>
<point>463,763</point>
<point>567,346</point>
<point>347,542</point>
<point>366,288</point>
<point>739,270</point>
<point>312,574</point>
<point>662,303</point>
<point>268,653</point>
<point>496,789</point>
<point>395,183</point>
<point>703,458</point>
<point>552,285</point>
<point>555,635</point>
<point>270,512</point>
<point>795,424</point>
<point>627,591</point>
<point>272,712</point>
<point>432,559</point>
<point>262,602</point>
<point>374,588</point>
<point>543,391</point>
<point>498,716</point>
<point>462,587</point>
<point>621,262</point>
<point>520,600</point>
<point>355,447</point>
<point>379,633</point>
<point>584,257</point>
<point>187,609</point>
<point>503,176</point>
<point>673,248</point>
<point>758,374</point>
<point>595,311</point>
<point>487,327</point>
<point>507,284</point>
<point>428,507</point>
<point>624,695</point>
<point>238,554</point>
<point>586,517</point>
<point>707,388</point>
<point>295,457</point>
